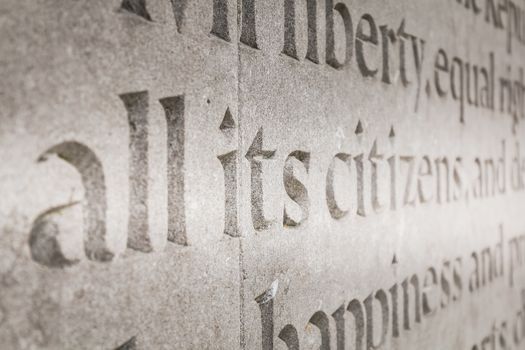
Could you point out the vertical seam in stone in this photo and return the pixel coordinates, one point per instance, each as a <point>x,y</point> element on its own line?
<point>242,329</point>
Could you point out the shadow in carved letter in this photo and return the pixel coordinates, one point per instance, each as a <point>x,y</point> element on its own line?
<point>265,301</point>
<point>414,281</point>
<point>174,109</point>
<point>129,345</point>
<point>256,152</point>
<point>44,246</point>
<point>137,7</point>
<point>229,165</point>
<point>136,104</point>
<point>374,157</point>
<point>339,317</point>
<point>342,9</point>
<point>43,243</point>
<point>356,309</point>
<point>248,24</point>
<point>289,335</point>
<point>320,320</point>
<point>179,8</point>
<point>393,296</point>
<point>295,189</point>
<point>220,20</point>
<point>382,297</point>
<point>335,211</point>
<point>290,47</point>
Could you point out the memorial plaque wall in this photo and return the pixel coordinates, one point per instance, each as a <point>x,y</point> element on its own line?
<point>262,174</point>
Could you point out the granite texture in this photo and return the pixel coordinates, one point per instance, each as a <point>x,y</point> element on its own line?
<point>262,174</point>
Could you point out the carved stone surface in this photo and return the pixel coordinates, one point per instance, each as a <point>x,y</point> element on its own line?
<point>262,174</point>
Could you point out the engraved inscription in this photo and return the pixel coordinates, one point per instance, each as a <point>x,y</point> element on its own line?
<point>295,189</point>
<point>290,47</point>
<point>450,286</point>
<point>335,211</point>
<point>331,58</point>
<point>248,28</point>
<point>320,320</point>
<point>43,242</point>
<point>256,152</point>
<point>179,7</point>
<point>229,163</point>
<point>137,106</point>
<point>174,108</point>
<point>220,20</point>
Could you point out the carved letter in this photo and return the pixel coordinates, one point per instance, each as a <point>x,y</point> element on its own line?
<point>425,170</point>
<point>265,301</point>
<point>339,317</point>
<point>330,34</point>
<point>42,241</point>
<point>255,151</point>
<point>389,36</point>
<point>229,165</point>
<point>136,104</point>
<point>220,20</point>
<point>248,25</point>
<point>289,336</point>
<point>408,198</point>
<point>295,189</point>
<point>406,302</point>
<point>179,7</point>
<point>429,282</point>
<point>174,109</point>
<point>356,309</point>
<point>335,211</point>
<point>362,38</point>
<point>374,157</point>
<point>395,316</point>
<point>290,48</point>
<point>320,320</point>
<point>361,211</point>
<point>381,296</point>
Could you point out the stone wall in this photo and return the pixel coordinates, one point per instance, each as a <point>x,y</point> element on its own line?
<point>262,174</point>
